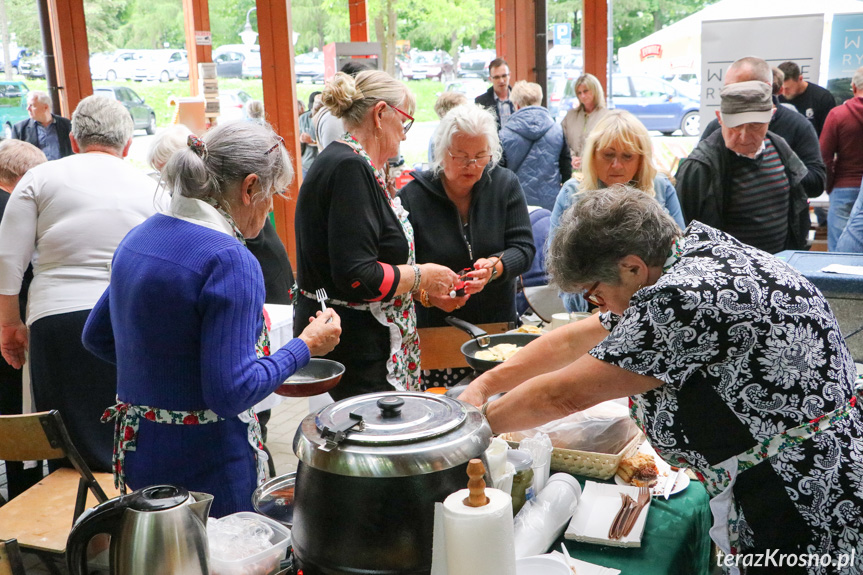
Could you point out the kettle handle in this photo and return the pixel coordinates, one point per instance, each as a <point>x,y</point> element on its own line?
<point>104,518</point>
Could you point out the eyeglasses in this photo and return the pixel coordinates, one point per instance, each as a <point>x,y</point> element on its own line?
<point>624,158</point>
<point>464,161</point>
<point>592,297</point>
<point>500,77</point>
<point>279,141</point>
<point>407,123</point>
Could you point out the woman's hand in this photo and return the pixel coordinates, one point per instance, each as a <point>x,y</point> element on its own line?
<point>448,304</point>
<point>322,337</point>
<point>481,275</point>
<point>437,280</point>
<point>576,162</point>
<point>14,342</point>
<point>476,393</point>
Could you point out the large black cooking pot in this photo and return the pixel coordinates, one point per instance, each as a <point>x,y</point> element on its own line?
<point>481,340</point>
<point>371,469</point>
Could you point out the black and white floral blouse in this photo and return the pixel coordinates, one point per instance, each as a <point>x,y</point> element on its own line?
<point>754,370</point>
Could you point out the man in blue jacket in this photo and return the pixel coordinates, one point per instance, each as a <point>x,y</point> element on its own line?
<point>535,147</point>
<point>46,131</point>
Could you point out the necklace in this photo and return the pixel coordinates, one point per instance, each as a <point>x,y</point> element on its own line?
<point>361,152</point>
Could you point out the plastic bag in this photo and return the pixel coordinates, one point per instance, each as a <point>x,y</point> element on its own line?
<point>603,428</point>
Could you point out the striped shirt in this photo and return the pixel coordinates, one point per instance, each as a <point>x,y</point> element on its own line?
<point>756,210</point>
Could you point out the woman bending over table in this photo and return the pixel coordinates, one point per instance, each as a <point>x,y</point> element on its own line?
<point>183,321</point>
<point>733,363</point>
<point>355,241</point>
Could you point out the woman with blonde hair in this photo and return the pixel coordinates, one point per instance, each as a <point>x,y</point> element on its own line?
<point>580,121</point>
<point>355,241</point>
<point>618,151</point>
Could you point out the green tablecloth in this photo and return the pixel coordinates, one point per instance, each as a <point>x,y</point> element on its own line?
<point>675,541</point>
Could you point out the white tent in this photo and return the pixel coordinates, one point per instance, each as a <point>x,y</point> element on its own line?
<point>677,48</point>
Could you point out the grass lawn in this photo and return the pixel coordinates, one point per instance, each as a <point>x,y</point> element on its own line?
<point>157,94</point>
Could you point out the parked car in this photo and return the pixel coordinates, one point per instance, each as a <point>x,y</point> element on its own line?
<point>231,104</point>
<point>32,66</point>
<point>237,61</point>
<point>13,105</point>
<point>436,65</point>
<point>688,83</point>
<point>142,114</point>
<point>121,65</point>
<point>565,62</point>
<point>469,87</point>
<point>309,66</point>
<point>161,65</point>
<point>474,63</point>
<point>17,56</point>
<point>556,87</point>
<point>658,104</point>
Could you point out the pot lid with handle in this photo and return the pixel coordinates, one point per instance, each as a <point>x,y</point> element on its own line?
<point>392,434</point>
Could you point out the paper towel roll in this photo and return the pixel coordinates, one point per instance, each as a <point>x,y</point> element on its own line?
<point>479,540</point>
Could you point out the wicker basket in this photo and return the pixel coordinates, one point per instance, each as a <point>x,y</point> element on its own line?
<point>587,463</point>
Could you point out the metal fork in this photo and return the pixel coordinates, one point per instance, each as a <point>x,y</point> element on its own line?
<point>321,296</point>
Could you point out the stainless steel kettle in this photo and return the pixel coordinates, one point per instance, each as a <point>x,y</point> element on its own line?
<point>154,531</point>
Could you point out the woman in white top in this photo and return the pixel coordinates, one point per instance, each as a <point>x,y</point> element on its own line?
<point>580,120</point>
<point>68,217</point>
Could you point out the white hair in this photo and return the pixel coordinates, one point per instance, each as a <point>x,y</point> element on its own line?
<point>470,120</point>
<point>857,80</point>
<point>41,97</point>
<point>101,121</point>
<point>164,145</point>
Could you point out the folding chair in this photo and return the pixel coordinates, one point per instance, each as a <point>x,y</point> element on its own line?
<point>10,558</point>
<point>41,517</point>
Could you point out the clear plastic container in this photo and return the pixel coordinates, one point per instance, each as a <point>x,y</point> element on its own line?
<point>262,563</point>
<point>522,481</point>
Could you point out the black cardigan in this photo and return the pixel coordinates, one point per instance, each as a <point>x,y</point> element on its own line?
<point>499,224</point>
<point>349,241</point>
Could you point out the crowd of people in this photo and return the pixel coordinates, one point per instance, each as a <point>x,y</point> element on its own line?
<point>145,307</point>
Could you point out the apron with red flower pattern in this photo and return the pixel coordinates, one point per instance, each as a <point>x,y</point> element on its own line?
<point>127,417</point>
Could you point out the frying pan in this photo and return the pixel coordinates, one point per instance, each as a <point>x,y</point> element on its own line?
<point>482,340</point>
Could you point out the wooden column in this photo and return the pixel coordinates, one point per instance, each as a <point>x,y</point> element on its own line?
<point>515,37</point>
<point>69,33</point>
<point>196,15</point>
<point>359,14</point>
<point>280,103</point>
<point>595,27</point>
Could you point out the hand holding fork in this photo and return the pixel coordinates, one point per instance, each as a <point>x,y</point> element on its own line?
<point>321,296</point>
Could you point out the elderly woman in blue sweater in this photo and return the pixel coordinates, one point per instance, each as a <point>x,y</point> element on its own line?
<point>183,321</point>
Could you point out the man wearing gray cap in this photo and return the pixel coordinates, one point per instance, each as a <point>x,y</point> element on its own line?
<point>745,180</point>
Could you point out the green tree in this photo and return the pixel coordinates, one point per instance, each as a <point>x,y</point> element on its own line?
<point>154,23</point>
<point>566,12</point>
<point>635,19</point>
<point>24,23</point>
<point>319,22</point>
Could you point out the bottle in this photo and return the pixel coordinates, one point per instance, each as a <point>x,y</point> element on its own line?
<point>522,482</point>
